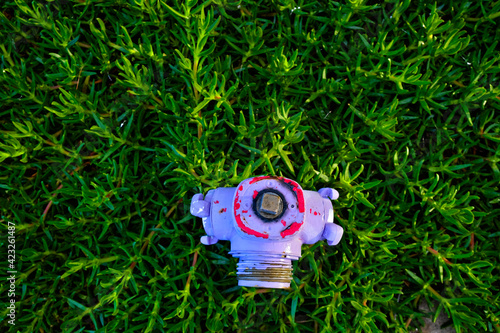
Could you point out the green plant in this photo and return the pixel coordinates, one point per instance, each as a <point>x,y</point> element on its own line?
<point>114,113</point>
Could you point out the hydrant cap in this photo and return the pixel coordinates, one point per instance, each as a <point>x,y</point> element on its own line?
<point>268,207</point>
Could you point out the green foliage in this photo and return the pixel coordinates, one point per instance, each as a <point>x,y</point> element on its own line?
<point>114,113</point>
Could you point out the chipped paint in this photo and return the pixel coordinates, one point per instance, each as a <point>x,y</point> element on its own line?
<point>256,179</point>
<point>248,230</point>
<point>292,228</point>
<point>300,199</point>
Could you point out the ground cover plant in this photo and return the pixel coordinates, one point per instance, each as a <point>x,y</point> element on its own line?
<point>114,113</point>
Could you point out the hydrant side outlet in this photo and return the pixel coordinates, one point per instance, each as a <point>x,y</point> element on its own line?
<point>267,219</point>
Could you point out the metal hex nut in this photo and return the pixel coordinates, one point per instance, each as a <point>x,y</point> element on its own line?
<point>270,205</point>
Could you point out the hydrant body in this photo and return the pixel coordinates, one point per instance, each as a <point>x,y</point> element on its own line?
<point>267,219</point>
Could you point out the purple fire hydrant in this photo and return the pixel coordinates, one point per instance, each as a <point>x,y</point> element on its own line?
<point>267,219</point>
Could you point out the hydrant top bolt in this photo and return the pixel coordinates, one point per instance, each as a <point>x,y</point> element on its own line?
<point>270,205</point>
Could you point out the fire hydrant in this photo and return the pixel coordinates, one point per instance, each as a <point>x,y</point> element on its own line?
<point>267,219</point>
